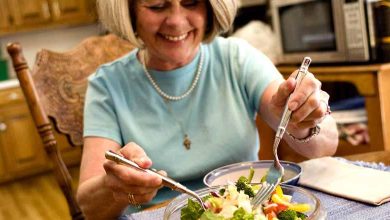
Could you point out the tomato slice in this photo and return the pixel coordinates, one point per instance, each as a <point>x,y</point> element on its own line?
<point>271,216</point>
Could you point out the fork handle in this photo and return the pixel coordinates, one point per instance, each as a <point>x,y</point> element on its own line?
<point>287,112</point>
<point>168,182</point>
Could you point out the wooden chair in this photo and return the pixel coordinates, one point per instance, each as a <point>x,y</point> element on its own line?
<point>55,91</point>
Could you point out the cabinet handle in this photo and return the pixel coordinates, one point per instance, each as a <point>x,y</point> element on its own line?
<point>3,126</point>
<point>45,9</point>
<point>56,9</point>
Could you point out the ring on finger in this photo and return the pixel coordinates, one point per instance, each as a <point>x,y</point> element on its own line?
<point>132,201</point>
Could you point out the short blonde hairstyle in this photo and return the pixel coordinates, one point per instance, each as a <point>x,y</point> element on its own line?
<point>118,17</point>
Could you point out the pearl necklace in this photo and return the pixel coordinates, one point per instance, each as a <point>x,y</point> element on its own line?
<point>165,95</point>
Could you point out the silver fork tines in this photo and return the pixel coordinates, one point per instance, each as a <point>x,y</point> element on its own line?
<point>263,193</point>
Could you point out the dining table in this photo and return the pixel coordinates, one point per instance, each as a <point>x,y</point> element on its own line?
<point>336,207</point>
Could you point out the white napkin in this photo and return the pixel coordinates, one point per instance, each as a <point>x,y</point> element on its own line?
<point>346,180</point>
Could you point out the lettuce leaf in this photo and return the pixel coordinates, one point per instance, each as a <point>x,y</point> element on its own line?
<point>192,211</point>
<point>241,214</point>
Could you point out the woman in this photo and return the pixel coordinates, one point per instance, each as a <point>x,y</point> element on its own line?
<point>185,100</point>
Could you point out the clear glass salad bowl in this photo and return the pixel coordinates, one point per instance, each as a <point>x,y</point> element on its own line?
<point>299,195</point>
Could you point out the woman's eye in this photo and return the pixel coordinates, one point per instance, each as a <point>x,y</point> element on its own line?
<point>154,5</point>
<point>157,7</point>
<point>189,3</point>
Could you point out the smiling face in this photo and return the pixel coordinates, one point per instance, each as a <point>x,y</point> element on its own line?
<point>171,30</point>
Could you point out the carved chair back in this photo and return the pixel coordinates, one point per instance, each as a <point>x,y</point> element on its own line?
<point>55,91</point>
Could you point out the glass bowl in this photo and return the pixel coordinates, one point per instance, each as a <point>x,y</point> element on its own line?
<point>231,173</point>
<point>299,195</point>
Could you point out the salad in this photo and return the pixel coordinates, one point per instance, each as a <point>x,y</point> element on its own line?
<point>233,202</point>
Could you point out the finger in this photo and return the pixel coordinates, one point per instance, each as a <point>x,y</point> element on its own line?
<point>309,110</point>
<point>302,125</point>
<point>324,96</point>
<point>164,173</point>
<point>302,92</point>
<point>145,197</point>
<point>131,177</point>
<point>117,185</point>
<point>134,152</point>
<point>315,117</point>
<point>283,92</point>
<point>137,198</point>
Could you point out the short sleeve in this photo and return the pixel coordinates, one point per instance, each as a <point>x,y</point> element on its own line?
<point>100,118</point>
<point>258,72</point>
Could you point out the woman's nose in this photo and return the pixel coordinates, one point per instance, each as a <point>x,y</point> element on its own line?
<point>176,15</point>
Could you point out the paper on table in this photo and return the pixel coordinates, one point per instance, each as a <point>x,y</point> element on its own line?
<point>346,180</point>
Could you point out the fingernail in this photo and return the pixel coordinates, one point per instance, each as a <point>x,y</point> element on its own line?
<point>293,106</point>
<point>144,160</point>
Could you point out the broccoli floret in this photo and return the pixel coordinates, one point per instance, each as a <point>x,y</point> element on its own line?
<point>287,215</point>
<point>291,215</point>
<point>301,215</point>
<point>222,191</point>
<point>243,179</point>
<point>242,184</point>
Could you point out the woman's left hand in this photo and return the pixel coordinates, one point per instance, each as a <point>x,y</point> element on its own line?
<point>308,103</point>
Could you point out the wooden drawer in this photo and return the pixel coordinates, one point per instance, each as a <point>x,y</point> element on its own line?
<point>11,96</point>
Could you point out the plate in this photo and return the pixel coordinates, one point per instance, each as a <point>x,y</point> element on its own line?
<point>231,173</point>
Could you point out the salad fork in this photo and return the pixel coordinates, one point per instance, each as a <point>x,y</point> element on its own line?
<point>174,185</point>
<point>276,171</point>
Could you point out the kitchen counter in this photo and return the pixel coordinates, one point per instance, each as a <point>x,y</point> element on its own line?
<point>11,83</point>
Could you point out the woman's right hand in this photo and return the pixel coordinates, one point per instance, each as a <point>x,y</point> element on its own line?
<point>128,184</point>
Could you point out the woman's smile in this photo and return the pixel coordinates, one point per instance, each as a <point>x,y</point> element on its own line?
<point>175,38</point>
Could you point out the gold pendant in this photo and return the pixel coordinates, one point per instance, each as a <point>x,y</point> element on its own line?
<point>187,142</point>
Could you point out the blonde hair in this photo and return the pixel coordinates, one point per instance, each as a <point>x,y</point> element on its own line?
<point>117,16</point>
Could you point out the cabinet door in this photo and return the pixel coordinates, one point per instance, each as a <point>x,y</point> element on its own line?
<point>4,15</point>
<point>19,140</point>
<point>69,10</point>
<point>29,12</point>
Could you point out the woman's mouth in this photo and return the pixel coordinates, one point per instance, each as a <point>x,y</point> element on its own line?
<point>175,38</point>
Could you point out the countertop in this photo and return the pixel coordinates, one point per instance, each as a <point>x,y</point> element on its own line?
<point>11,83</point>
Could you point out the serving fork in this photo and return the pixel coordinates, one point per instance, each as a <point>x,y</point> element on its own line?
<point>276,171</point>
<point>174,185</point>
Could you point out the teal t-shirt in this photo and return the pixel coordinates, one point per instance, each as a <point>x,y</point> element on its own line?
<point>219,115</point>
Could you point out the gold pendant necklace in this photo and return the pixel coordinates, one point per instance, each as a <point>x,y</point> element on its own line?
<point>186,136</point>
<point>187,142</point>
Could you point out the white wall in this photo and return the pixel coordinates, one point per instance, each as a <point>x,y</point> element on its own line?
<point>55,39</point>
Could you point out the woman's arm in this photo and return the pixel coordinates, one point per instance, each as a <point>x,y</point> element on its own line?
<point>309,106</point>
<point>96,200</point>
<point>104,185</point>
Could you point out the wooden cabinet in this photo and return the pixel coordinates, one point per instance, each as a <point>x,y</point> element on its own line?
<point>25,15</point>
<point>29,12</point>
<point>21,149</point>
<point>67,10</point>
<point>20,141</point>
<point>4,15</point>
<point>373,83</point>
